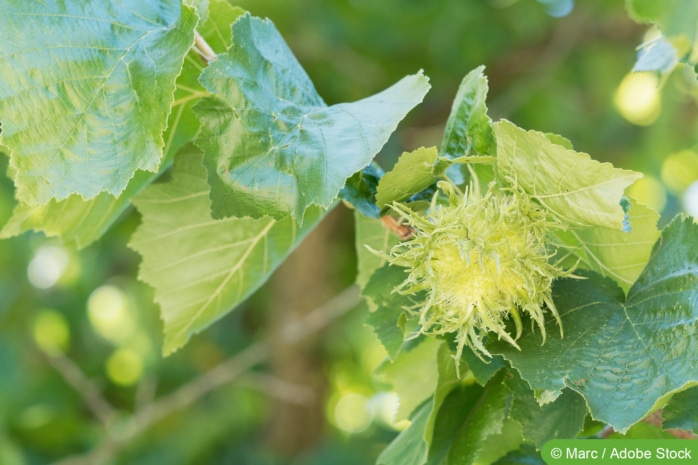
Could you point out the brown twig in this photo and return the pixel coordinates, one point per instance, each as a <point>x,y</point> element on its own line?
<point>229,370</point>
<point>90,392</point>
<point>403,231</point>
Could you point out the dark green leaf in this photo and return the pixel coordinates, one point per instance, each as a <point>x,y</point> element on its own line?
<point>682,411</point>
<point>202,268</point>
<point>622,355</point>
<point>561,419</point>
<point>527,455</point>
<point>484,420</point>
<point>272,145</point>
<point>86,88</point>
<point>360,190</point>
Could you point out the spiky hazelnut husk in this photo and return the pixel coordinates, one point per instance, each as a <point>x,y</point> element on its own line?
<point>481,259</point>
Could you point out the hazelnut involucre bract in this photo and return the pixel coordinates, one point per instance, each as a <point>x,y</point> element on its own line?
<point>480,259</point>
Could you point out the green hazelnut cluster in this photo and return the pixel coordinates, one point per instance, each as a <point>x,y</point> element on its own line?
<point>482,260</point>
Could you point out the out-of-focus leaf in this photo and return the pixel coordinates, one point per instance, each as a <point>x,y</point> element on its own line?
<point>370,232</point>
<point>409,448</point>
<point>622,355</point>
<point>413,172</point>
<point>272,145</point>
<point>617,254</point>
<point>572,186</point>
<point>682,411</point>
<point>656,55</point>
<point>202,268</point>
<point>86,88</point>
<point>413,375</point>
<point>678,22</point>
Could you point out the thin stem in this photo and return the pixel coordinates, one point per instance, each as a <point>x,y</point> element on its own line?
<point>204,48</point>
<point>90,392</point>
<point>229,370</point>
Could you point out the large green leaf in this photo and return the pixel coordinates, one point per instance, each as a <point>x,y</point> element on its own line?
<point>86,88</point>
<point>577,189</point>
<point>82,222</point>
<point>201,267</point>
<point>617,254</point>
<point>413,172</point>
<point>623,355</point>
<point>272,145</point>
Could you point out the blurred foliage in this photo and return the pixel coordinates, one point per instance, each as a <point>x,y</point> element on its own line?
<point>550,71</point>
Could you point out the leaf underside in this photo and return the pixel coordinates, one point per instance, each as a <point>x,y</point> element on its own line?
<point>201,268</point>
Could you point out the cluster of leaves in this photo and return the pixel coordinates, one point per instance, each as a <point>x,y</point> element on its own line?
<point>257,158</point>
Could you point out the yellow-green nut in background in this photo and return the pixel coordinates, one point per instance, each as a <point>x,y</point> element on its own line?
<point>480,259</point>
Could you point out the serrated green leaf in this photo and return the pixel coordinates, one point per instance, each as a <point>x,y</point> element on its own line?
<point>387,307</point>
<point>412,173</point>
<point>578,190</point>
<point>468,128</point>
<point>622,355</point>
<point>413,375</point>
<point>87,87</point>
<point>682,411</point>
<point>409,448</point>
<point>617,254</point>
<point>202,268</point>
<point>561,419</point>
<point>82,222</point>
<point>272,145</point>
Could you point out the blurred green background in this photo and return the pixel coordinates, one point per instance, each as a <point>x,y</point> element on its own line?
<point>555,65</point>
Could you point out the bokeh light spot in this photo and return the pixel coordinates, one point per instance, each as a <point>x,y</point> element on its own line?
<point>638,99</point>
<point>109,314</point>
<point>690,200</point>
<point>351,414</point>
<point>680,170</point>
<point>124,367</point>
<point>649,191</point>
<point>51,332</point>
<point>47,266</point>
